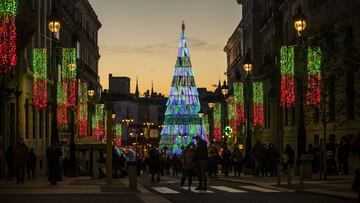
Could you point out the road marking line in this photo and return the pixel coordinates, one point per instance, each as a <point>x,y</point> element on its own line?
<point>228,189</point>
<point>197,191</point>
<point>259,189</point>
<point>165,190</point>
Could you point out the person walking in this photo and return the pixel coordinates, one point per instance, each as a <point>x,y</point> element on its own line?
<point>273,158</point>
<point>154,159</point>
<point>9,156</point>
<point>226,155</point>
<point>257,154</point>
<point>213,163</point>
<point>238,160</point>
<point>187,161</point>
<point>54,154</point>
<point>343,156</point>
<point>288,158</point>
<point>20,155</point>
<point>31,164</point>
<point>201,157</point>
<point>175,165</point>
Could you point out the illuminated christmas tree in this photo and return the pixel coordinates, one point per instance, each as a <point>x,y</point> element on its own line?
<point>182,122</point>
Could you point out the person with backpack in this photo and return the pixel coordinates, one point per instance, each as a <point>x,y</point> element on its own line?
<point>187,162</point>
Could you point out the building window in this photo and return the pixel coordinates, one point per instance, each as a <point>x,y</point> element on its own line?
<point>27,119</point>
<point>350,95</point>
<point>40,124</point>
<point>41,164</point>
<point>286,116</point>
<point>316,140</point>
<point>332,99</point>
<point>34,123</point>
<point>316,114</point>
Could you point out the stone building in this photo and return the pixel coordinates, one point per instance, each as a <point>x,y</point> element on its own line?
<point>334,27</point>
<point>19,119</point>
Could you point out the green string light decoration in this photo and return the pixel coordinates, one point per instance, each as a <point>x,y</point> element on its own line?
<point>287,54</point>
<point>69,73</point>
<point>8,10</point>
<point>83,109</point>
<point>313,93</point>
<point>118,134</point>
<point>258,100</point>
<point>217,121</point>
<point>40,78</point>
<point>239,103</point>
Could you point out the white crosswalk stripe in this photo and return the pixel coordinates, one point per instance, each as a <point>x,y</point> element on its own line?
<point>248,188</point>
<point>197,191</point>
<point>228,189</point>
<point>165,190</point>
<point>259,189</point>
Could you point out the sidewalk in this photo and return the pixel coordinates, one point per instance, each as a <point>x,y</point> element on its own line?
<point>339,186</point>
<point>79,186</point>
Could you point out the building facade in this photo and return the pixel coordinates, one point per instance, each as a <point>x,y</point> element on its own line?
<point>333,26</point>
<point>20,119</point>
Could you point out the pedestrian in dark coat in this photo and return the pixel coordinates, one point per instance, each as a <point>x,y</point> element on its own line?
<point>226,155</point>
<point>21,154</point>
<point>154,163</point>
<point>187,162</point>
<point>238,160</point>
<point>9,156</point>
<point>273,158</point>
<point>54,154</point>
<point>201,157</point>
<point>31,164</point>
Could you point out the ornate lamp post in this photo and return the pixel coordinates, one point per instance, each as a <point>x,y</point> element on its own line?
<point>225,91</point>
<point>300,22</point>
<point>90,93</point>
<point>211,124</point>
<point>201,114</point>
<point>127,121</point>
<point>248,68</point>
<point>54,26</point>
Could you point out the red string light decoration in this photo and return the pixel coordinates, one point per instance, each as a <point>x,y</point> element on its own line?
<point>287,98</point>
<point>313,76</point>
<point>40,78</point>
<point>258,104</point>
<point>62,106</point>
<point>83,110</point>
<point>8,10</point>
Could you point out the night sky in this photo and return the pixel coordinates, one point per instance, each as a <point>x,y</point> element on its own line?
<point>140,38</point>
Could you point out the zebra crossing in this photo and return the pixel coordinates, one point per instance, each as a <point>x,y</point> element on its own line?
<point>215,189</point>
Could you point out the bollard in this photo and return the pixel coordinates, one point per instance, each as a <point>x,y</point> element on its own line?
<point>132,176</point>
<point>278,174</point>
<point>289,175</point>
<point>301,179</point>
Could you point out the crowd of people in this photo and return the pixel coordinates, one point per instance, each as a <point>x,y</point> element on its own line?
<point>197,160</point>
<point>22,161</point>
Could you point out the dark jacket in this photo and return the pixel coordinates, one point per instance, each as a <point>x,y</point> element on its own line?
<point>201,151</point>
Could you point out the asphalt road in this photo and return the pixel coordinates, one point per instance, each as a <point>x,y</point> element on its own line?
<point>69,198</point>
<point>223,191</point>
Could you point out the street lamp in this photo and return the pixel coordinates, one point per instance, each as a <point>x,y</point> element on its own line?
<point>300,25</point>
<point>54,26</point>
<point>248,65</point>
<point>201,114</point>
<point>211,124</point>
<point>300,21</point>
<point>225,91</point>
<point>127,121</point>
